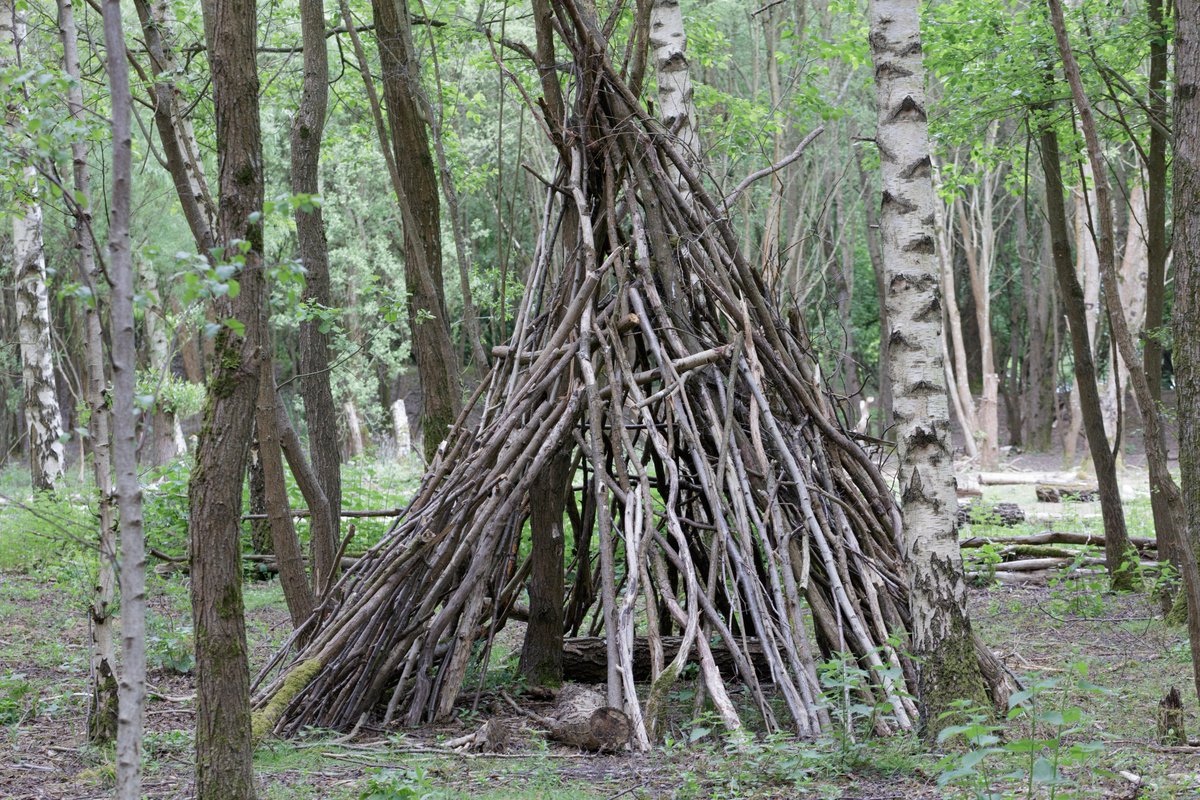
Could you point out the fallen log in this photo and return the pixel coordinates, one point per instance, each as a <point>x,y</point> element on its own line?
<point>1067,492</point>
<point>1025,478</point>
<point>1036,564</point>
<point>585,658</point>
<point>263,563</point>
<point>1055,537</point>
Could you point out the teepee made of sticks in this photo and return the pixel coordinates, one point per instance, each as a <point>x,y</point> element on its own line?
<point>716,495</point>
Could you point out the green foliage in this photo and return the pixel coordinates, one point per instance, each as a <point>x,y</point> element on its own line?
<point>1078,588</point>
<point>980,564</point>
<point>844,685</point>
<point>20,699</point>
<point>1036,765</point>
<point>399,784</point>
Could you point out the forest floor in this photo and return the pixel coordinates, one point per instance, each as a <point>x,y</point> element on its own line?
<point>1061,640</point>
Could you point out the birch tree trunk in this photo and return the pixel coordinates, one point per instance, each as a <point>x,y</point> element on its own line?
<point>131,717</point>
<point>102,705</point>
<point>43,418</point>
<point>942,641</point>
<point>1187,293</point>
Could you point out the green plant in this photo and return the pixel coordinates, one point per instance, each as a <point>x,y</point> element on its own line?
<point>991,768</point>
<point>1078,589</point>
<point>19,699</point>
<point>399,784</point>
<point>844,685</point>
<point>980,563</point>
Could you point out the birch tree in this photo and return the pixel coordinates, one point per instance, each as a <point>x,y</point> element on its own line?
<point>941,633</point>
<point>42,415</point>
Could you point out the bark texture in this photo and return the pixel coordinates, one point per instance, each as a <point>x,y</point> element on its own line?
<point>1154,436</point>
<point>1187,296</point>
<point>541,655</point>
<point>437,361</point>
<point>131,716</point>
<point>940,628</point>
<point>102,704</point>
<point>320,412</point>
<point>43,419</point>
<point>1072,296</point>
<point>223,742</point>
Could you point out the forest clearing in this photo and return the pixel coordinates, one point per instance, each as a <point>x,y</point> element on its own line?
<point>622,398</point>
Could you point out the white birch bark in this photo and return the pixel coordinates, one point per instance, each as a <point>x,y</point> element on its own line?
<point>940,628</point>
<point>1135,263</point>
<point>668,47</point>
<point>47,455</point>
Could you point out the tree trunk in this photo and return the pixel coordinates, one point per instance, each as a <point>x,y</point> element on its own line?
<point>124,366</point>
<point>43,419</point>
<point>942,641</point>
<point>319,409</point>
<point>958,383</point>
<point>417,191</point>
<point>286,545</point>
<point>1115,535</point>
<point>224,751</point>
<point>102,704</point>
<point>541,655</point>
<point>163,444</point>
<point>1187,301</point>
<point>1154,436</point>
<point>1156,243</point>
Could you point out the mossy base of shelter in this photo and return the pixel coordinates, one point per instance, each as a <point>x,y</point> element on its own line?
<point>262,722</point>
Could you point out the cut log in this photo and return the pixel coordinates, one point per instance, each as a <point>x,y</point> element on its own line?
<point>1002,514</point>
<point>1025,478</point>
<point>1067,492</point>
<point>1055,537</point>
<point>585,658</point>
<point>582,718</point>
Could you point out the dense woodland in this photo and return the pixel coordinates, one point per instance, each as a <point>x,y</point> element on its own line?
<point>661,398</point>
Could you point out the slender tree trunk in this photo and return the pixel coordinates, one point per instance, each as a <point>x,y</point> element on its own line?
<point>43,419</point>
<point>163,444</point>
<point>223,743</point>
<point>1187,300</point>
<point>417,191</point>
<point>319,409</point>
<point>1154,438</point>
<point>102,705</point>
<point>181,151</point>
<point>1085,371</point>
<point>942,641</point>
<point>956,370</point>
<point>124,365</point>
<point>871,217</point>
<point>296,590</point>
<point>1156,246</point>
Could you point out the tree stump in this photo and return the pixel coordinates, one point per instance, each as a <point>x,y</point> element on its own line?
<point>492,737</point>
<point>1064,492</point>
<point>1171,732</point>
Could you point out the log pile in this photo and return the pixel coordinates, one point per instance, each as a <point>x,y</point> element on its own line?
<point>724,499</point>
